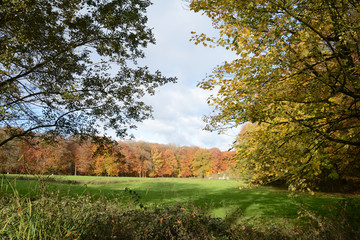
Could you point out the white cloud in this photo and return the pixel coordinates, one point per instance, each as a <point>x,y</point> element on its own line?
<point>179,108</point>
<point>173,53</point>
<point>178,119</point>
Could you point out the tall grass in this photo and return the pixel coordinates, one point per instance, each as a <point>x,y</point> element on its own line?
<point>49,213</point>
<point>55,213</point>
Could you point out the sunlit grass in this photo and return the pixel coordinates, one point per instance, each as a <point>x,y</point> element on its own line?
<point>82,207</point>
<point>221,198</point>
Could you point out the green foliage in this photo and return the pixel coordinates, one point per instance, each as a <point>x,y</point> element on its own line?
<point>297,75</point>
<point>64,66</point>
<point>268,154</point>
<point>53,215</point>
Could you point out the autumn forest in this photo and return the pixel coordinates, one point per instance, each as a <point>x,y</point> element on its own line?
<point>71,72</point>
<point>293,87</point>
<point>106,158</point>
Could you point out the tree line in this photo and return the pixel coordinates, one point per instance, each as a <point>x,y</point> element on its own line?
<point>295,82</point>
<point>73,156</point>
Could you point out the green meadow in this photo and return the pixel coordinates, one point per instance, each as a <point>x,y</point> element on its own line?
<point>83,207</point>
<point>220,198</point>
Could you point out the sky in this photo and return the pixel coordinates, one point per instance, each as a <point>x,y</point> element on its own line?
<point>179,108</point>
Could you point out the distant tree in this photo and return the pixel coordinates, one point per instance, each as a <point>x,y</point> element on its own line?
<point>106,161</point>
<point>57,60</point>
<point>31,157</point>
<point>55,157</point>
<point>74,156</point>
<point>128,160</point>
<point>230,160</point>
<point>221,161</point>
<point>157,160</point>
<point>143,152</point>
<point>202,162</point>
<point>218,165</point>
<point>186,157</point>
<point>169,167</point>
<point>82,156</point>
<point>10,154</point>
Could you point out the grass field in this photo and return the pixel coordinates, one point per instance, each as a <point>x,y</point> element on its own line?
<point>218,197</point>
<point>82,207</point>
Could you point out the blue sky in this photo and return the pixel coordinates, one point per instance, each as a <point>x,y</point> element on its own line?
<point>179,108</point>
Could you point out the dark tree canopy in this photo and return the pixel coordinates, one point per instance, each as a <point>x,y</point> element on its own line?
<point>57,64</point>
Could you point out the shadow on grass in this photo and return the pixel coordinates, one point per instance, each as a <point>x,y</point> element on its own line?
<point>224,200</point>
<point>220,198</point>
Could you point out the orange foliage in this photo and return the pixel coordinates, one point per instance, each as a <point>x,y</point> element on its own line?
<point>138,159</point>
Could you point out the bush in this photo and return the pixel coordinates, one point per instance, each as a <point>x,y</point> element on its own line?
<point>343,221</point>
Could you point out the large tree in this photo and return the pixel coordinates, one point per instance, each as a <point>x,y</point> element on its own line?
<point>298,61</point>
<point>297,69</point>
<point>70,66</point>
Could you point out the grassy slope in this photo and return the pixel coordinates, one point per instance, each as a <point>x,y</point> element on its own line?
<point>221,198</point>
